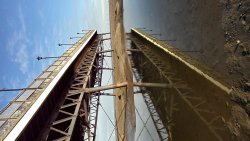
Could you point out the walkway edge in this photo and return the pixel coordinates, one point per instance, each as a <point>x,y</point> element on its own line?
<point>211,79</point>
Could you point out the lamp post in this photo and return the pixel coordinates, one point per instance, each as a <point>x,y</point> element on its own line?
<point>85,30</point>
<point>141,28</point>
<point>74,37</point>
<point>40,58</point>
<point>17,89</point>
<point>80,33</point>
<point>156,34</point>
<point>146,30</point>
<point>64,44</point>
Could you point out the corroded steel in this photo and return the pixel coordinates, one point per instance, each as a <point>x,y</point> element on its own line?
<point>74,114</point>
<point>94,98</point>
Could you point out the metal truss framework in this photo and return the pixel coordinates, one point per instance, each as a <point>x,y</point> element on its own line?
<point>90,133</point>
<point>37,103</point>
<point>159,126</point>
<point>77,117</point>
<point>183,91</point>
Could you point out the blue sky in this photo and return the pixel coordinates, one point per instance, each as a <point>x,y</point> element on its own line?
<point>34,27</point>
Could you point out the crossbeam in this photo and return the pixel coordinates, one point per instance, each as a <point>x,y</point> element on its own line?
<point>124,84</point>
<point>105,51</point>
<point>158,85</point>
<point>102,88</point>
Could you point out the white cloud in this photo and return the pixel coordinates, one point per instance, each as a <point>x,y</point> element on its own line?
<point>14,82</point>
<point>21,18</point>
<point>17,44</point>
<point>22,58</point>
<point>42,17</point>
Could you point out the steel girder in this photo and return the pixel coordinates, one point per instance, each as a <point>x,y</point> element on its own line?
<point>184,92</point>
<point>75,114</point>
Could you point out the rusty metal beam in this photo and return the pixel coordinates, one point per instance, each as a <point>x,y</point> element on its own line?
<point>77,105</point>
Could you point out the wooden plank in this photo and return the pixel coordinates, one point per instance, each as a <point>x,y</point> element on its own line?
<point>124,84</point>
<point>107,87</point>
<point>125,119</point>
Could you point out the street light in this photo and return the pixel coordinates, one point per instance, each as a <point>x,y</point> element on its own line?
<point>141,28</point>
<point>146,30</point>
<point>40,58</point>
<point>74,37</point>
<point>64,44</point>
<point>85,30</point>
<point>156,34</point>
<point>17,89</point>
<point>80,33</point>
